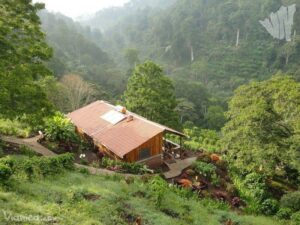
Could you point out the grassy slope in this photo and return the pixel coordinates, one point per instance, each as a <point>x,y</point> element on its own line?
<point>55,196</point>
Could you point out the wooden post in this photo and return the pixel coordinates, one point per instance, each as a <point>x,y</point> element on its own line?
<point>180,147</point>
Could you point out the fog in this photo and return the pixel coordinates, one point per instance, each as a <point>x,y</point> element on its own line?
<point>78,8</point>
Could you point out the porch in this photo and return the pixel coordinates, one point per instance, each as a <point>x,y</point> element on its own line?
<point>175,158</point>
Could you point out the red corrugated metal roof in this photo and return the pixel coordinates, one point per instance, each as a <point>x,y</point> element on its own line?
<point>120,138</point>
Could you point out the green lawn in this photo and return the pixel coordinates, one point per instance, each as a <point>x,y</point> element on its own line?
<point>62,197</point>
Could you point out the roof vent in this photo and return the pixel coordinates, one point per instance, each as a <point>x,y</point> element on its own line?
<point>121,109</point>
<point>129,118</point>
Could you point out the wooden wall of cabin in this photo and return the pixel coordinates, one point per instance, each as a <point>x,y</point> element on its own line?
<point>85,137</point>
<point>155,144</point>
<point>105,151</point>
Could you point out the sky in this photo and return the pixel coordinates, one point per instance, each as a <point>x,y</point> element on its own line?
<point>76,8</point>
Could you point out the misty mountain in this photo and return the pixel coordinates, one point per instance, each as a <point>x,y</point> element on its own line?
<point>110,17</point>
<point>218,43</point>
<point>76,51</point>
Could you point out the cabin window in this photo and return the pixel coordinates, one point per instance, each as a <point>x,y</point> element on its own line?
<point>145,153</point>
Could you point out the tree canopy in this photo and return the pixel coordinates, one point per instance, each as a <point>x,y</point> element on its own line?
<point>151,94</point>
<point>23,51</point>
<point>218,43</point>
<point>263,128</point>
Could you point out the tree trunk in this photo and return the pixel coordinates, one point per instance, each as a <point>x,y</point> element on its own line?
<point>192,54</point>
<point>237,38</point>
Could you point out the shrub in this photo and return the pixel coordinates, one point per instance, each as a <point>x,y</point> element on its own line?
<point>295,218</point>
<point>269,207</point>
<point>205,157</point>
<point>107,162</point>
<point>24,150</point>
<point>84,161</point>
<point>202,138</point>
<point>1,150</point>
<point>252,188</point>
<point>5,172</point>
<point>227,218</point>
<point>158,187</point>
<point>222,164</point>
<point>292,174</point>
<point>66,160</point>
<point>37,167</point>
<point>253,207</point>
<point>59,128</point>
<point>126,167</point>
<point>84,171</point>
<point>14,128</point>
<point>256,185</point>
<point>146,178</point>
<point>76,195</point>
<point>7,168</point>
<point>215,180</point>
<point>28,168</point>
<point>54,164</point>
<point>291,201</point>
<point>284,213</point>
<point>8,161</point>
<point>186,193</point>
<point>134,168</point>
<point>205,169</point>
<point>231,189</point>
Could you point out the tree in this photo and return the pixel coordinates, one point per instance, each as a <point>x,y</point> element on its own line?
<point>23,51</point>
<point>194,93</point>
<point>56,92</point>
<point>78,91</point>
<point>263,128</point>
<point>132,56</point>
<point>151,94</point>
<point>215,118</point>
<point>186,110</point>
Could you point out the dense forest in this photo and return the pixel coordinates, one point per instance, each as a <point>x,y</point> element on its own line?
<point>208,68</point>
<point>76,51</point>
<point>198,41</point>
<point>207,48</point>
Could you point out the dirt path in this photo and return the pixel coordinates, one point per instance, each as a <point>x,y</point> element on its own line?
<point>31,143</point>
<point>37,147</point>
<point>177,167</point>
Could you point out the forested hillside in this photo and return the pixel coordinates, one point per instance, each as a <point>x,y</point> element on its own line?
<point>76,52</point>
<point>110,17</point>
<point>208,48</point>
<point>218,43</point>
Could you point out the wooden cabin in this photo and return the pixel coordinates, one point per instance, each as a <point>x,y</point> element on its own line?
<point>120,134</point>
